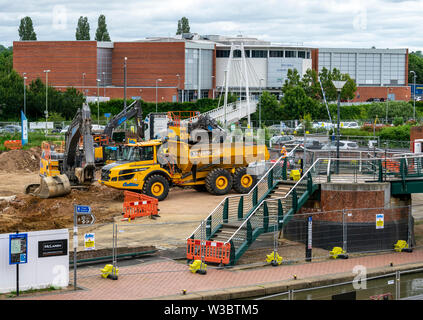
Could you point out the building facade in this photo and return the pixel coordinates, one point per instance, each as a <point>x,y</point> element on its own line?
<point>189,67</point>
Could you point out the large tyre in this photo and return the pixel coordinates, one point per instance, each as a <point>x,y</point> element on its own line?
<point>157,187</point>
<point>219,181</point>
<point>243,182</point>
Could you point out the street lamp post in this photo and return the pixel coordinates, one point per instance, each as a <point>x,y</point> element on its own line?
<point>261,93</point>
<point>104,84</point>
<point>177,90</point>
<point>24,92</point>
<point>213,77</point>
<point>46,112</point>
<point>124,87</point>
<point>98,102</point>
<point>83,83</point>
<point>414,94</point>
<point>157,80</point>
<point>338,85</point>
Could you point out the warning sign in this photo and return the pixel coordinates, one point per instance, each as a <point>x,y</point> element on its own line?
<point>380,222</point>
<point>89,241</point>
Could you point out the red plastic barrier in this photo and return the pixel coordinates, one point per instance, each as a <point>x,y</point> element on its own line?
<point>214,251</point>
<point>13,144</point>
<point>139,205</point>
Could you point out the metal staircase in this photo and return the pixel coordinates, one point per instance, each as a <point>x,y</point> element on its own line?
<point>239,220</point>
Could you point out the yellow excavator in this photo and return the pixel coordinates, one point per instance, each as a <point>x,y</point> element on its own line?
<point>74,167</point>
<point>216,166</point>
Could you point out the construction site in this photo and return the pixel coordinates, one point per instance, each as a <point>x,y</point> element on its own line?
<point>211,205</point>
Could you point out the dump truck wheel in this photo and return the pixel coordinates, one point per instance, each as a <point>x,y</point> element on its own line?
<point>157,187</point>
<point>219,182</point>
<point>243,182</point>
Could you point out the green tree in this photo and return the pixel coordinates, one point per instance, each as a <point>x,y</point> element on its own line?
<point>296,104</point>
<point>347,92</point>
<point>415,63</point>
<point>102,34</point>
<point>183,26</point>
<point>83,29</point>
<point>270,108</point>
<point>26,30</point>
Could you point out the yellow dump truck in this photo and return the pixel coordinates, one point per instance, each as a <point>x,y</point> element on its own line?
<point>152,167</point>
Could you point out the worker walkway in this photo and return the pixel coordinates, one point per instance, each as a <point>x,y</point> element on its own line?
<point>234,112</point>
<point>225,235</point>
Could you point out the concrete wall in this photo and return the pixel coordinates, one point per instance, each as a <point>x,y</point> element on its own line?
<point>37,272</point>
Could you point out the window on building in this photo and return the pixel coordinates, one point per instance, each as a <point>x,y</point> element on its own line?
<point>276,54</point>
<point>222,53</point>
<point>301,54</point>
<point>290,54</point>
<point>259,53</point>
<point>237,53</point>
<point>308,54</point>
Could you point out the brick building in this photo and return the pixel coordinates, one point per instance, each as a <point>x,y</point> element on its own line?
<point>188,67</point>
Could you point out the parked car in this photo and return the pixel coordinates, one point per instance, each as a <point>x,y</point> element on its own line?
<point>12,128</point>
<point>351,125</point>
<point>313,144</point>
<point>97,128</point>
<point>280,128</point>
<point>280,140</point>
<point>64,130</point>
<point>343,145</point>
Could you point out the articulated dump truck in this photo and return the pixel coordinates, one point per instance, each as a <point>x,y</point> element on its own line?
<point>60,170</point>
<point>152,167</point>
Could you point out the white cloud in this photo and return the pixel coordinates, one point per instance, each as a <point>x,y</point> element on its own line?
<point>327,23</point>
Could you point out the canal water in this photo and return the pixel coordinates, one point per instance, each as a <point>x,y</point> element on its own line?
<point>411,284</point>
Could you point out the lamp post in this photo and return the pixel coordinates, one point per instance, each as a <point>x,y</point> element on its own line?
<point>213,86</point>
<point>46,111</point>
<point>177,90</point>
<point>261,93</point>
<point>124,88</point>
<point>157,80</point>
<point>24,92</point>
<point>98,102</point>
<point>83,83</point>
<point>414,95</point>
<point>338,85</point>
<point>104,84</point>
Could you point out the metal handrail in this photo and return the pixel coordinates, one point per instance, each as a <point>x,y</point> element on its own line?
<point>250,192</point>
<point>305,176</point>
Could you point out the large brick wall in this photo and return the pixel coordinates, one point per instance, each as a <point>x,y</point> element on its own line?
<point>365,93</point>
<point>66,60</point>
<point>148,61</point>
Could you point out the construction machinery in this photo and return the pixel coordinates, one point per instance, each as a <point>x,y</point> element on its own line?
<point>153,166</point>
<point>107,148</point>
<point>74,167</point>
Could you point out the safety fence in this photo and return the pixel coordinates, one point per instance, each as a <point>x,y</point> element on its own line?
<point>399,285</point>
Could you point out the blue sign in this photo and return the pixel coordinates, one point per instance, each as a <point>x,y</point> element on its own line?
<point>24,128</point>
<point>121,120</point>
<point>107,115</point>
<point>83,209</point>
<point>18,248</point>
<point>419,89</point>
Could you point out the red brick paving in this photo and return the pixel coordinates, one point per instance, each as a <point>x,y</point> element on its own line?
<point>165,278</point>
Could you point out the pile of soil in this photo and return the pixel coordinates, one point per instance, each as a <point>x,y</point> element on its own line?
<point>21,160</point>
<point>30,213</point>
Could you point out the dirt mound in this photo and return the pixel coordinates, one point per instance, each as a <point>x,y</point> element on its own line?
<point>20,160</point>
<point>29,213</point>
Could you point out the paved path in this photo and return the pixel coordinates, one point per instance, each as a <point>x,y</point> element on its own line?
<point>166,277</point>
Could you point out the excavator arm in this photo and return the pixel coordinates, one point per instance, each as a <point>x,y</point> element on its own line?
<point>133,110</point>
<point>79,163</point>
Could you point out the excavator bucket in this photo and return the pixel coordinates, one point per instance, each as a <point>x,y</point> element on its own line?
<point>50,187</point>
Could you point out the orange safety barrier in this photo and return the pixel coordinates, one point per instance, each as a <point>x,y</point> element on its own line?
<point>391,165</point>
<point>214,251</point>
<point>13,144</point>
<point>177,116</point>
<point>139,205</point>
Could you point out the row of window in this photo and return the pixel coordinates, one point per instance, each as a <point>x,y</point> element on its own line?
<point>264,54</point>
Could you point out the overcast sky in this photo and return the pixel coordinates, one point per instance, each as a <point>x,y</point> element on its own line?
<point>316,23</point>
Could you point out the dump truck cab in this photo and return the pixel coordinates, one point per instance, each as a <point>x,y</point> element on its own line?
<point>138,165</point>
